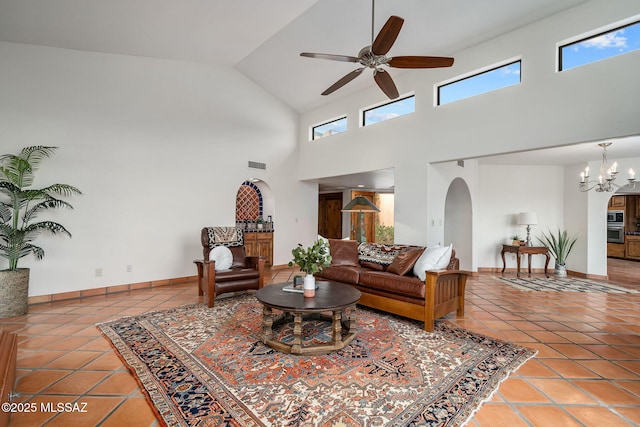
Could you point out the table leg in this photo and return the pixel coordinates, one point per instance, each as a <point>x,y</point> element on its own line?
<point>546,264</point>
<point>296,344</point>
<point>504,263</point>
<point>336,340</point>
<point>267,323</point>
<point>353,327</point>
<point>518,258</point>
<point>529,259</point>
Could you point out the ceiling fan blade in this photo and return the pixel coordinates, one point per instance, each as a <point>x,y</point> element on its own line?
<point>420,62</point>
<point>343,58</point>
<point>385,82</point>
<point>343,81</point>
<point>387,35</point>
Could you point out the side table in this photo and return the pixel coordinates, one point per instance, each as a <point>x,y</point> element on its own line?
<point>529,250</point>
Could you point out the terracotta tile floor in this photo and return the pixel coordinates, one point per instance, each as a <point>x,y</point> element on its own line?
<point>586,373</point>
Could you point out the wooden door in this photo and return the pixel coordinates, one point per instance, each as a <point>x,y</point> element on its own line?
<point>330,215</point>
<point>369,218</point>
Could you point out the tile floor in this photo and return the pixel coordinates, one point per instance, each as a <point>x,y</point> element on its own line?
<point>586,372</point>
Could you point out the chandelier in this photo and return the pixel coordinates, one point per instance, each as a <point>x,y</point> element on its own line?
<point>607,175</point>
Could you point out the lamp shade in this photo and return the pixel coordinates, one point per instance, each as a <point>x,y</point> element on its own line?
<point>360,204</point>
<point>527,218</point>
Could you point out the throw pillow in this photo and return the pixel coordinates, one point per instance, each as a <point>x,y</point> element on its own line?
<point>428,261</point>
<point>222,256</point>
<point>405,260</point>
<point>444,260</point>
<point>343,252</point>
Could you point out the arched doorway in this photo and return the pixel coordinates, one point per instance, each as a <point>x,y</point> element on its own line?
<point>458,224</point>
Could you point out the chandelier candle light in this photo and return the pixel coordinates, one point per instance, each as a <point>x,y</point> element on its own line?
<point>607,175</point>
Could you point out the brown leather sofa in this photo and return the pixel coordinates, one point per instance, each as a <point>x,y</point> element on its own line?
<point>389,284</point>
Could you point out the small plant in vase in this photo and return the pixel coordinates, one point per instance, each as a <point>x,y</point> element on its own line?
<point>516,240</point>
<point>311,260</point>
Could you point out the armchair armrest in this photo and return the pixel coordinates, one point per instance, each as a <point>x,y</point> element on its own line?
<point>258,262</point>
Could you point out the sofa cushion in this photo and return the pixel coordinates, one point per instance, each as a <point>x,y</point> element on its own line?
<point>235,274</point>
<point>377,253</point>
<point>372,265</point>
<point>239,256</point>
<point>345,274</point>
<point>404,261</point>
<point>409,286</point>
<point>343,252</point>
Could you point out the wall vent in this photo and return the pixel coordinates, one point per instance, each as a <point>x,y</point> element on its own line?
<point>461,163</point>
<point>257,165</point>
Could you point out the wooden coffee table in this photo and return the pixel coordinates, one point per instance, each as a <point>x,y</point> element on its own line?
<point>331,297</point>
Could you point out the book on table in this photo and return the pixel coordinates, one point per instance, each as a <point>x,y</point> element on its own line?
<point>299,289</point>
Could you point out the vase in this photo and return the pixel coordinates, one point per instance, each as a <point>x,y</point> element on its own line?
<point>309,286</point>
<point>560,270</point>
<point>14,292</point>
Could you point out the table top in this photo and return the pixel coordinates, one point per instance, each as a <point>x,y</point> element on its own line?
<point>329,296</point>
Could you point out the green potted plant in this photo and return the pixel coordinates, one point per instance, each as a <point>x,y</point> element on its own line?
<point>515,241</point>
<point>560,246</point>
<point>20,206</point>
<point>311,260</point>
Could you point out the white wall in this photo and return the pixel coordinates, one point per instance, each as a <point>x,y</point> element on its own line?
<point>159,149</point>
<point>505,191</point>
<point>547,109</point>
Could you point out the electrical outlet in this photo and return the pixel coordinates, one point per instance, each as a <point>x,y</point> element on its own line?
<point>129,268</point>
<point>98,272</point>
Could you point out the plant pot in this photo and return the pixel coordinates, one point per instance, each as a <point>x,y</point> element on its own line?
<point>560,270</point>
<point>309,286</point>
<point>14,292</point>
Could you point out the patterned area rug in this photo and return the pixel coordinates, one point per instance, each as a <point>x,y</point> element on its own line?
<point>208,367</point>
<point>562,285</point>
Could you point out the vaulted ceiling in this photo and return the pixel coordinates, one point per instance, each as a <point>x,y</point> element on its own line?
<point>263,39</point>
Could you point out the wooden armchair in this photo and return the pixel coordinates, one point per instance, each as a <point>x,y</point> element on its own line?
<point>243,273</point>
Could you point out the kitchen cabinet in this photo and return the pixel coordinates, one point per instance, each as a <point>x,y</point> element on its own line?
<point>259,243</point>
<point>632,246</point>
<point>617,202</point>
<point>616,250</point>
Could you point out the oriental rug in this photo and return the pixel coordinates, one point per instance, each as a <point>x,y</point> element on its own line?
<point>208,367</point>
<point>570,284</point>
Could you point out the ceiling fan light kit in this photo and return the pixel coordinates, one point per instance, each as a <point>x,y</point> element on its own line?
<point>374,57</point>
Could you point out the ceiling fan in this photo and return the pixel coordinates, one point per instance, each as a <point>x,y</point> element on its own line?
<point>374,57</point>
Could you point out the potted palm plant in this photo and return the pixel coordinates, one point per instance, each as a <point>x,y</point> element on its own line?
<point>560,246</point>
<point>311,260</point>
<point>20,206</point>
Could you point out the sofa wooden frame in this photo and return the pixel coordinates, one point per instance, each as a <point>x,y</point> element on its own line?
<point>444,293</point>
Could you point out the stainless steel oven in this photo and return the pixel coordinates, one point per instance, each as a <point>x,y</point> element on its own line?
<point>615,233</point>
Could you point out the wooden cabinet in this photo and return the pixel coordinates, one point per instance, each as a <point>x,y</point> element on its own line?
<point>617,202</point>
<point>616,250</point>
<point>637,208</point>
<point>632,246</point>
<point>259,244</point>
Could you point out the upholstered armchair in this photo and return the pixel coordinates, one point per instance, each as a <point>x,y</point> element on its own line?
<point>225,266</point>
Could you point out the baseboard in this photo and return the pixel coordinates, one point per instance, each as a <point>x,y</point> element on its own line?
<point>110,290</point>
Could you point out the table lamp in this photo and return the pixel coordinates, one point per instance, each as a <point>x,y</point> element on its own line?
<point>528,219</point>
